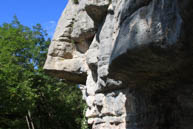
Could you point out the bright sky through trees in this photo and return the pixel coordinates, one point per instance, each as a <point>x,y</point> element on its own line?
<point>31,12</point>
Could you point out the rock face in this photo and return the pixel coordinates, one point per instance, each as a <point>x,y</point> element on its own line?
<point>133,59</point>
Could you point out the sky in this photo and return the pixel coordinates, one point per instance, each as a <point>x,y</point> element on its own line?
<point>31,12</point>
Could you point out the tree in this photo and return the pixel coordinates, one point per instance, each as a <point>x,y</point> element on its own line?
<point>28,97</point>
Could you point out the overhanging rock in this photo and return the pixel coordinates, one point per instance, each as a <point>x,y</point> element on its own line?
<point>135,58</point>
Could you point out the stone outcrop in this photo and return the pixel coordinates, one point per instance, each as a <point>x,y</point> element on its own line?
<point>133,60</point>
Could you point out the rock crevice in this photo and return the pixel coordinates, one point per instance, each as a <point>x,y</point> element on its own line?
<point>133,59</point>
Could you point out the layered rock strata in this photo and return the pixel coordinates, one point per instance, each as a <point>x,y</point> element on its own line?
<point>133,60</point>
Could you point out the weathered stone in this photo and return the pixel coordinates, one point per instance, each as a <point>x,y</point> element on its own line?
<point>137,56</point>
<point>95,120</point>
<point>91,84</point>
<point>113,120</point>
<point>98,99</point>
<point>92,112</point>
<point>114,104</point>
<point>71,40</point>
<point>109,126</point>
<point>83,89</point>
<point>155,23</point>
<point>82,28</point>
<point>97,9</point>
<point>90,101</point>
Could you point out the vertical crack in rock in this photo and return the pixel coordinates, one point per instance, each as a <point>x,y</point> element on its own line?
<point>133,59</point>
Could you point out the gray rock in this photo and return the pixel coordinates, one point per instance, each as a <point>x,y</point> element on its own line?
<point>83,27</point>
<point>90,100</point>
<point>154,23</point>
<point>114,105</point>
<point>97,9</point>
<point>134,59</point>
<point>95,120</point>
<point>92,112</point>
<point>99,99</point>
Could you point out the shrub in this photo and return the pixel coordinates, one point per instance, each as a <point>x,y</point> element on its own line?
<point>75,1</point>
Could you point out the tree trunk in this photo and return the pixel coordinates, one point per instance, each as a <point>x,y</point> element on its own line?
<point>28,125</point>
<point>29,121</point>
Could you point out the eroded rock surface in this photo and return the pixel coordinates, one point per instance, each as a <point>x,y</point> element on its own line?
<point>133,59</point>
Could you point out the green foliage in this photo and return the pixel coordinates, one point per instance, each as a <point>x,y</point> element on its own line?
<point>75,1</point>
<point>25,87</point>
<point>84,124</point>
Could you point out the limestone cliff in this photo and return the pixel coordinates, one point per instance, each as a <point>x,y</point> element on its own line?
<point>133,59</point>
